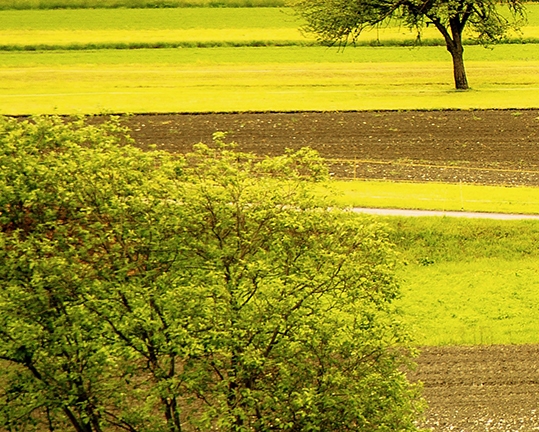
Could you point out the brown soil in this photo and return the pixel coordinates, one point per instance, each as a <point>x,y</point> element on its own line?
<point>485,388</point>
<point>489,147</point>
<point>480,388</point>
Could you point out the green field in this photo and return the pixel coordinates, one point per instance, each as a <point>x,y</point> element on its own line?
<point>54,61</point>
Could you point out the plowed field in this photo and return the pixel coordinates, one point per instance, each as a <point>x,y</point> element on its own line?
<point>483,388</point>
<point>489,147</point>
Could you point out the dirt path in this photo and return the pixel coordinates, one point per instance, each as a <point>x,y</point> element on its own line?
<point>485,388</point>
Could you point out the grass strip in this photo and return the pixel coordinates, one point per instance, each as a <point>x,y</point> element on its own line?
<point>435,196</point>
<point>160,45</point>
<point>501,57</point>
<point>427,241</point>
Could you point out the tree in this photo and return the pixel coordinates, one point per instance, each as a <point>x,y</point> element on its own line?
<point>61,187</point>
<point>143,291</point>
<point>343,20</point>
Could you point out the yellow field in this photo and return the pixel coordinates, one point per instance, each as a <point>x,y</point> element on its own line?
<point>20,38</point>
<point>59,38</point>
<point>239,78</point>
<point>59,28</point>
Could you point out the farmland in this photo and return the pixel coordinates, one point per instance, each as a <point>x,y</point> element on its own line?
<point>55,61</point>
<point>464,283</point>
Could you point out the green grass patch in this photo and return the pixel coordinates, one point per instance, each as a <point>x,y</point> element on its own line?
<point>490,301</point>
<point>436,196</point>
<point>469,281</point>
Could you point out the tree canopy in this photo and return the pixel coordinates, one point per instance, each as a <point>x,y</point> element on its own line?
<point>144,291</point>
<point>340,21</point>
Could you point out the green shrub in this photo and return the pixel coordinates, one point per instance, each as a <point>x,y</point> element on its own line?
<point>142,291</point>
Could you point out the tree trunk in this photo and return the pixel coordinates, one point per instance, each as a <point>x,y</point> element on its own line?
<point>459,73</point>
<point>453,42</point>
<point>454,46</point>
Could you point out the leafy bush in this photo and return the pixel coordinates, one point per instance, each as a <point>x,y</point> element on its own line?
<point>144,291</point>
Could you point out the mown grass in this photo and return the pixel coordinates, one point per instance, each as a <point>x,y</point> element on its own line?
<point>468,281</point>
<point>264,79</point>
